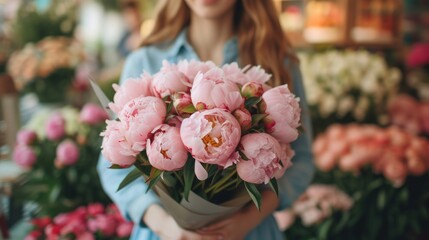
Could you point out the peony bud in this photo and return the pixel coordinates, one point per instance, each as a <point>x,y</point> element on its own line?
<point>252,89</point>
<point>92,114</point>
<point>183,104</point>
<point>55,127</point>
<point>25,137</point>
<point>24,156</point>
<point>67,153</point>
<point>244,118</point>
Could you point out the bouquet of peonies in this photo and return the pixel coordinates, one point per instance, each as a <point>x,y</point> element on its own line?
<point>391,152</point>
<point>91,222</point>
<point>59,150</point>
<point>385,170</point>
<point>46,68</point>
<point>410,114</point>
<point>201,133</point>
<point>313,212</point>
<point>347,86</point>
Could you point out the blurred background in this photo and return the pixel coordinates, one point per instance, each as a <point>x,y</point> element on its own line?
<point>365,65</point>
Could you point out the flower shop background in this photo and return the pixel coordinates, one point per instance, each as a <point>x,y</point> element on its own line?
<point>365,66</point>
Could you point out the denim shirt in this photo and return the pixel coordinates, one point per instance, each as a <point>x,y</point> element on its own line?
<point>133,201</point>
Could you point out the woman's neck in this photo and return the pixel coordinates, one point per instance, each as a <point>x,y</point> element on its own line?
<point>208,36</point>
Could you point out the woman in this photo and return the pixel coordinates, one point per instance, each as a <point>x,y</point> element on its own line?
<point>223,31</point>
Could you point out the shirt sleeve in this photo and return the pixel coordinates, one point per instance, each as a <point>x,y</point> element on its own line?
<point>132,200</point>
<point>298,177</point>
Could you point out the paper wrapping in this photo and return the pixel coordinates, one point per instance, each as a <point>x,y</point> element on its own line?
<point>198,212</point>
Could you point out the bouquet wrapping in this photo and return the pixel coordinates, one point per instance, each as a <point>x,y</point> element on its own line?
<point>202,136</point>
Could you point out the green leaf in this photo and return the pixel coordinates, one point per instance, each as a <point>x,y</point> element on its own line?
<point>54,193</point>
<point>155,176</point>
<point>133,175</point>
<point>189,109</point>
<point>256,118</point>
<point>252,101</point>
<point>169,107</point>
<point>324,229</point>
<point>254,194</point>
<point>243,156</point>
<point>115,166</point>
<point>274,186</point>
<point>381,200</point>
<point>188,172</point>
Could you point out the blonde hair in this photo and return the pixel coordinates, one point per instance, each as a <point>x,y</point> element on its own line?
<point>261,40</point>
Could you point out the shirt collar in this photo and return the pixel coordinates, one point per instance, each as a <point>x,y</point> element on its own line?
<point>230,50</point>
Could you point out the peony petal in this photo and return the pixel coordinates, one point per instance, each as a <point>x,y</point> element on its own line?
<point>200,172</point>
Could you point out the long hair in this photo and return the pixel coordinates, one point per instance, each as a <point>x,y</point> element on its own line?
<point>261,40</point>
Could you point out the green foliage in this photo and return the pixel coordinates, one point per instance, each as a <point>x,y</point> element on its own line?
<point>380,211</point>
<point>31,25</point>
<point>52,88</point>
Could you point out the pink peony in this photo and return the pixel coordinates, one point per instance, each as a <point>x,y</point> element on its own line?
<point>41,222</point>
<point>212,137</point>
<point>115,147</point>
<point>24,156</point>
<point>34,235</point>
<point>192,68</point>
<point>142,115</point>
<point>25,137</point>
<point>95,209</point>
<point>130,89</point>
<point>264,153</point>
<point>415,163</point>
<point>312,216</point>
<point>169,80</point>
<point>396,171</point>
<point>235,74</point>
<point>286,159</point>
<point>326,161</point>
<point>285,219</point>
<point>404,112</point>
<point>175,121</point>
<point>55,127</point>
<point>124,229</point>
<point>106,225</point>
<point>283,112</point>
<point>92,114</point>
<point>244,118</point>
<point>213,90</point>
<point>165,149</point>
<point>258,75</point>
<point>67,153</point>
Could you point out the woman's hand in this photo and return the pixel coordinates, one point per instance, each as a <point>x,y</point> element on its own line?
<point>241,223</point>
<point>167,228</point>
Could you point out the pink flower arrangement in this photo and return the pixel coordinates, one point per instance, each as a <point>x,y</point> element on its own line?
<point>410,114</point>
<point>315,205</point>
<point>62,147</point>
<point>212,119</point>
<point>83,223</point>
<point>391,152</point>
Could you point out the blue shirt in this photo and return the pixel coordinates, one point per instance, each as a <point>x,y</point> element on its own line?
<point>132,200</point>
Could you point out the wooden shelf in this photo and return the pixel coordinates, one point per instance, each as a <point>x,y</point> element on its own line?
<point>341,23</point>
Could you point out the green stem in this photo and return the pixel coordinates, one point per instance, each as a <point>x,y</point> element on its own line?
<point>224,186</point>
<point>222,181</point>
<point>179,178</point>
